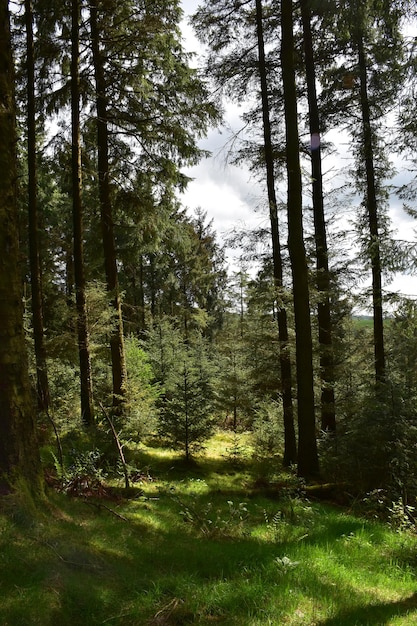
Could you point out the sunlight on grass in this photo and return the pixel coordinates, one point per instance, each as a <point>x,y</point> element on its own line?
<point>198,544</point>
<point>220,446</point>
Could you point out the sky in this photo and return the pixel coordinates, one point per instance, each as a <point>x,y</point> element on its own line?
<point>226,192</point>
<point>232,198</point>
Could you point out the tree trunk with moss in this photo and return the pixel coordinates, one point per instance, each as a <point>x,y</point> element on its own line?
<point>19,456</point>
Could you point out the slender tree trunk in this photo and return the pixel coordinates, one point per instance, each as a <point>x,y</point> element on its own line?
<point>69,267</point>
<point>110,261</point>
<point>18,448</point>
<point>34,256</point>
<point>87,412</point>
<point>372,208</point>
<point>186,415</point>
<point>307,446</point>
<point>141,303</point>
<point>328,415</point>
<point>242,285</point>
<point>290,444</point>
<point>185,312</point>
<point>152,286</point>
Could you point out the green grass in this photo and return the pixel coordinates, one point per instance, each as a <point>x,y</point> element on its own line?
<point>200,545</point>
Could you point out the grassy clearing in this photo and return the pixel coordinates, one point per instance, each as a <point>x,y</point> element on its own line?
<point>200,545</point>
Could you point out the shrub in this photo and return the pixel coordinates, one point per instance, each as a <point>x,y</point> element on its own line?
<point>268,434</point>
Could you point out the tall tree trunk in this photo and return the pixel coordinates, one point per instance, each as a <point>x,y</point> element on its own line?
<point>152,287</point>
<point>43,397</point>
<point>328,415</point>
<point>372,208</point>
<point>87,412</point>
<point>18,448</point>
<point>142,315</point>
<point>290,444</point>
<point>110,261</point>
<point>308,464</point>
<point>69,266</point>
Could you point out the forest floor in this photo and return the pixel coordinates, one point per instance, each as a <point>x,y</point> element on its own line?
<point>209,543</point>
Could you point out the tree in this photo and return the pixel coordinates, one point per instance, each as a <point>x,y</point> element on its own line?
<point>234,397</point>
<point>238,65</point>
<point>307,446</point>
<point>372,208</point>
<point>34,253</point>
<point>18,449</point>
<point>181,270</point>
<point>327,373</point>
<point>182,367</point>
<point>369,50</point>
<point>106,211</point>
<point>223,25</point>
<point>261,339</point>
<point>87,411</point>
<point>290,445</point>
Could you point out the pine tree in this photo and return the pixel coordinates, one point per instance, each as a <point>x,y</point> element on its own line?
<point>34,251</point>
<point>183,368</point>
<point>328,419</point>
<point>87,411</point>
<point>363,84</point>
<point>233,32</point>
<point>234,398</point>
<point>290,446</point>
<point>106,209</point>
<point>307,446</point>
<point>371,197</point>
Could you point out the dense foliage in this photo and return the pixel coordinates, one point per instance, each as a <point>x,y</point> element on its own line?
<point>128,302</point>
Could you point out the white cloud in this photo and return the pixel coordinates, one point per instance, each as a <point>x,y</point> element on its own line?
<point>231,197</point>
<point>224,192</point>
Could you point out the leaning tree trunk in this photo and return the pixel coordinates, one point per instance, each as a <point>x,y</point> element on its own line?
<point>87,412</point>
<point>290,444</point>
<point>372,208</point>
<point>328,415</point>
<point>308,464</point>
<point>18,448</point>
<point>43,397</point>
<point>110,261</point>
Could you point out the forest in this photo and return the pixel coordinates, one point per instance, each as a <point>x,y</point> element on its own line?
<point>138,370</point>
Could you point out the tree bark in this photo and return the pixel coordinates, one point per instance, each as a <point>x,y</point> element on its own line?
<point>109,247</point>
<point>328,414</point>
<point>290,444</point>
<point>43,397</point>
<point>18,447</point>
<point>372,208</point>
<point>87,411</point>
<point>308,464</point>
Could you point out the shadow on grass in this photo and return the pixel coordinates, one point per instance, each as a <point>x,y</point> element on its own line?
<point>93,568</point>
<point>86,566</point>
<point>374,614</point>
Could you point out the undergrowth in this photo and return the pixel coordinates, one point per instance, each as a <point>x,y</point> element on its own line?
<point>201,544</point>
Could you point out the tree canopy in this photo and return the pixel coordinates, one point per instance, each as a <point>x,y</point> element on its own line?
<point>132,324</point>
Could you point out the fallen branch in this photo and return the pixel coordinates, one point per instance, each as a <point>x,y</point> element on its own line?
<point>118,445</point>
<point>100,506</point>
